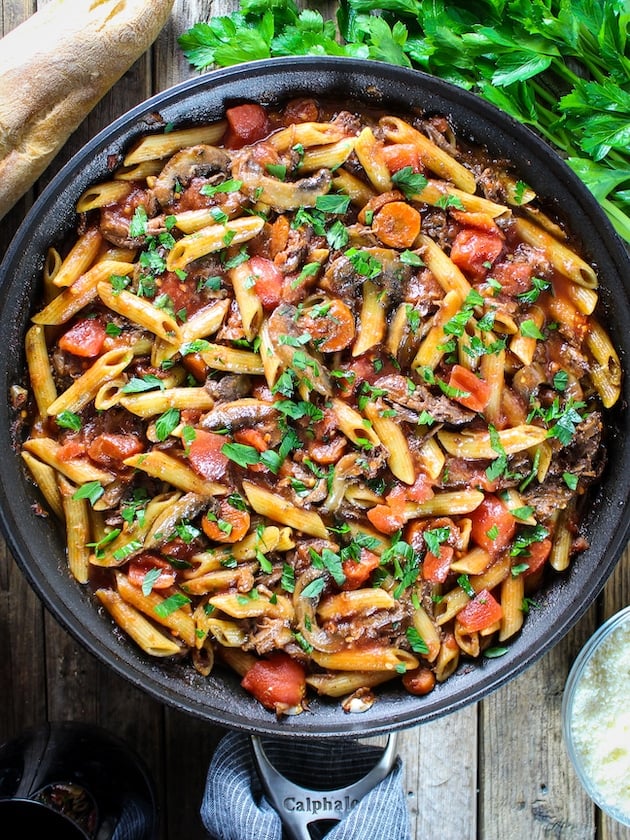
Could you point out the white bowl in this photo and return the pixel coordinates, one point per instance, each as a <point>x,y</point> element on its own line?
<point>596,716</point>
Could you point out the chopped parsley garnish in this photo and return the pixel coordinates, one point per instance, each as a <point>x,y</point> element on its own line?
<point>410,183</point>
<point>171,605</point>
<point>416,642</point>
<point>91,490</point>
<point>68,420</point>
<point>137,385</point>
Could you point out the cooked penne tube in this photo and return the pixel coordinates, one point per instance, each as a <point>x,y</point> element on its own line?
<point>360,192</point>
<point>174,471</point>
<point>212,238</point>
<point>479,445</point>
<point>340,684</point>
<point>269,539</point>
<point>443,504</point>
<point>78,532</point>
<point>135,625</point>
<point>432,346</point>
<point>372,320</point>
<point>39,370</point>
<point>354,601</point>
<point>241,606</point>
<point>512,594</point>
<point>82,292</point>
<point>77,470</point>
<point>45,477</point>
<point>278,509</point>
<point>151,403</point>
<point>431,458</point>
<point>444,269</point>
<point>229,634</point>
<point>330,157</point>
<point>307,134</point>
<point>436,193</point>
<point>248,301</point>
<point>428,632</point>
<point>447,659</point>
<point>366,659</point>
<point>80,257</point>
<point>84,389</point>
<point>370,154</point>
<point>162,145</point>
<point>606,375</point>
<point>392,438</point>
<point>101,195</point>
<point>562,258</point>
<point>221,357</point>
<point>140,311</point>
<point>433,157</point>
<point>178,622</point>
<point>355,427</point>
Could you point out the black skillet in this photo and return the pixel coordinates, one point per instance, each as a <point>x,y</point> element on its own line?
<point>39,547</point>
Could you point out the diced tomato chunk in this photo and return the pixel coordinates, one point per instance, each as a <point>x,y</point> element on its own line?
<point>536,557</point>
<point>474,250</point>
<point>246,124</point>
<point>473,392</point>
<point>493,526</point>
<point>109,449</point>
<point>268,281</point>
<point>251,437</point>
<point>385,519</point>
<point>84,339</point>
<point>278,682</point>
<point>481,612</point>
<point>358,571</point>
<point>399,155</point>
<point>436,569</point>
<point>139,566</point>
<point>205,455</point>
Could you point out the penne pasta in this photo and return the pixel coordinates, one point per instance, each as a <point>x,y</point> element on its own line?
<point>303,410</point>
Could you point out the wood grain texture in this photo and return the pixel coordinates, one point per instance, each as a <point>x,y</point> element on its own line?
<point>496,770</point>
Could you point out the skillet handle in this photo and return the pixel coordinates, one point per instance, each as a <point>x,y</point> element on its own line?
<point>298,806</point>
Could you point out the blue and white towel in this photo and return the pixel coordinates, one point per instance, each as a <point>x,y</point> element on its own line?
<point>235,808</point>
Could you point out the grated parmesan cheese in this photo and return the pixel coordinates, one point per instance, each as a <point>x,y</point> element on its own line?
<point>600,724</point>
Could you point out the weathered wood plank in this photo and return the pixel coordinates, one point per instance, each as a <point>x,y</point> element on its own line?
<point>525,770</point>
<point>440,766</point>
<point>616,596</point>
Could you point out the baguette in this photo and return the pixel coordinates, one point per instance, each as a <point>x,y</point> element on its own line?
<point>54,68</point>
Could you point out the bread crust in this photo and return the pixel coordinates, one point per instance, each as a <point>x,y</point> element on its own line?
<point>54,68</point>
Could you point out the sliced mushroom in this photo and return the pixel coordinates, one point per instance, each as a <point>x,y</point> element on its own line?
<point>185,165</point>
<point>281,195</point>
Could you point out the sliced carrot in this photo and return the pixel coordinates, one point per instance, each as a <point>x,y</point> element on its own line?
<point>251,437</point>
<point>331,325</point>
<point>397,224</point>
<point>227,525</point>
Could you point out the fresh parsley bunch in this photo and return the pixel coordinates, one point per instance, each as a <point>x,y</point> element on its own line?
<point>559,66</point>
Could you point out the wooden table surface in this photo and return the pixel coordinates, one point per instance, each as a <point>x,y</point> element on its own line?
<point>497,769</point>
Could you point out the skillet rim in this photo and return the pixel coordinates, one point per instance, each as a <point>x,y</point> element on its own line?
<point>53,214</point>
